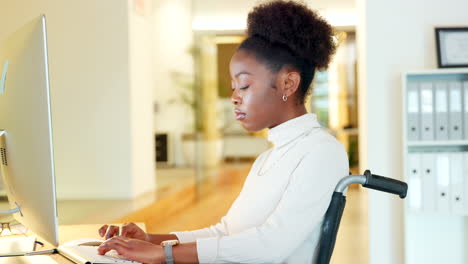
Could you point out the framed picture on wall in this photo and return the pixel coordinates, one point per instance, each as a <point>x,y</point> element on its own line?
<point>452,46</point>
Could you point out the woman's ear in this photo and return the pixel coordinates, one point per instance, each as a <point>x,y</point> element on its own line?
<point>291,80</point>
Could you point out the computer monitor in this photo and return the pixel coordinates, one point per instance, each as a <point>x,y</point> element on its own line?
<point>27,163</point>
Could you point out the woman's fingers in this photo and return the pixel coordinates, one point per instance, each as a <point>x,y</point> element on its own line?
<point>112,231</point>
<point>117,243</point>
<point>133,231</point>
<point>102,231</point>
<point>128,229</point>
<point>133,249</point>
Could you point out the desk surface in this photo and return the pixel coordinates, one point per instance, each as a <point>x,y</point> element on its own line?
<point>66,233</point>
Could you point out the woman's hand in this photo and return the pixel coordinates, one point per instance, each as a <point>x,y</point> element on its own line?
<point>129,230</point>
<point>134,249</point>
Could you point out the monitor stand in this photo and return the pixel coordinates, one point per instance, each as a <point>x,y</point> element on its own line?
<point>12,243</point>
<point>4,162</point>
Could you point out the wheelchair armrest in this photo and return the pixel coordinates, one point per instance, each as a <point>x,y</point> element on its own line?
<point>385,184</point>
<point>375,182</point>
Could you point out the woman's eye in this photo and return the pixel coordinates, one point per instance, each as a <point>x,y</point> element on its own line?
<point>241,88</point>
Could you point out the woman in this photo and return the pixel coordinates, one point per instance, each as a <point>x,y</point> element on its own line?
<point>278,214</point>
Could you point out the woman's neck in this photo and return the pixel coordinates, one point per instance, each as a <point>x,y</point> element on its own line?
<point>291,113</point>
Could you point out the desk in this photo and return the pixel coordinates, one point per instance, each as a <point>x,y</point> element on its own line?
<point>67,233</point>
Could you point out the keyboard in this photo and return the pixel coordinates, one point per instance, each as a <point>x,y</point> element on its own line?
<point>84,251</point>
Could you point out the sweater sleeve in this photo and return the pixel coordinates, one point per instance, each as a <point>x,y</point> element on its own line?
<point>221,228</point>
<point>216,230</point>
<point>299,212</point>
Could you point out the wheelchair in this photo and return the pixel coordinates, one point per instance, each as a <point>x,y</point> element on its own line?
<point>332,219</point>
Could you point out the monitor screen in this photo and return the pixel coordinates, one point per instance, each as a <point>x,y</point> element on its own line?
<point>27,163</point>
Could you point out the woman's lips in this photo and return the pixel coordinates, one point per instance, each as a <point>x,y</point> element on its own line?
<point>239,115</point>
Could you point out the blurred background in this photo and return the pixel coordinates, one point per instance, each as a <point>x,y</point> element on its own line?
<point>143,125</point>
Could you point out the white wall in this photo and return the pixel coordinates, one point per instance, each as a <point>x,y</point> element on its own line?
<point>393,37</point>
<point>173,39</point>
<point>219,15</point>
<point>89,65</point>
<point>141,58</point>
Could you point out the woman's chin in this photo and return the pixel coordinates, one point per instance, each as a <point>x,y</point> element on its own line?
<point>246,126</point>
<point>250,128</point>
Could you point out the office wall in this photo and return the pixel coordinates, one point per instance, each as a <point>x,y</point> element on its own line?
<point>393,37</point>
<point>94,119</point>
<point>141,58</point>
<point>215,14</point>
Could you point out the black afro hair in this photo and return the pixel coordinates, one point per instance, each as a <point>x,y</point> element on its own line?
<point>294,25</point>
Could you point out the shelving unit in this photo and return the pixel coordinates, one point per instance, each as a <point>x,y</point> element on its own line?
<point>437,143</point>
<point>434,233</point>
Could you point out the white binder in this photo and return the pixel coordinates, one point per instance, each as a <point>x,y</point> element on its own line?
<point>455,111</point>
<point>415,185</point>
<point>443,183</point>
<point>457,194</point>
<point>427,111</point>
<point>413,113</point>
<point>429,181</point>
<point>441,111</point>
<point>465,114</point>
<point>465,177</point>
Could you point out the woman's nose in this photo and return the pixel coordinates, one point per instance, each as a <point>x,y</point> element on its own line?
<point>235,99</point>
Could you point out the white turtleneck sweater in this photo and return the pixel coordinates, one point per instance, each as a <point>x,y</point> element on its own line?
<point>278,214</point>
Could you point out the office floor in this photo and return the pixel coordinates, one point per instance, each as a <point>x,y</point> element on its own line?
<point>179,205</point>
<point>169,181</point>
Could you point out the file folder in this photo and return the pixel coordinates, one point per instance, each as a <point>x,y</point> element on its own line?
<point>457,195</point>
<point>443,183</point>
<point>413,113</point>
<point>429,181</point>
<point>427,111</point>
<point>441,111</point>
<point>465,177</point>
<point>465,114</point>
<point>415,187</point>
<point>455,111</point>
